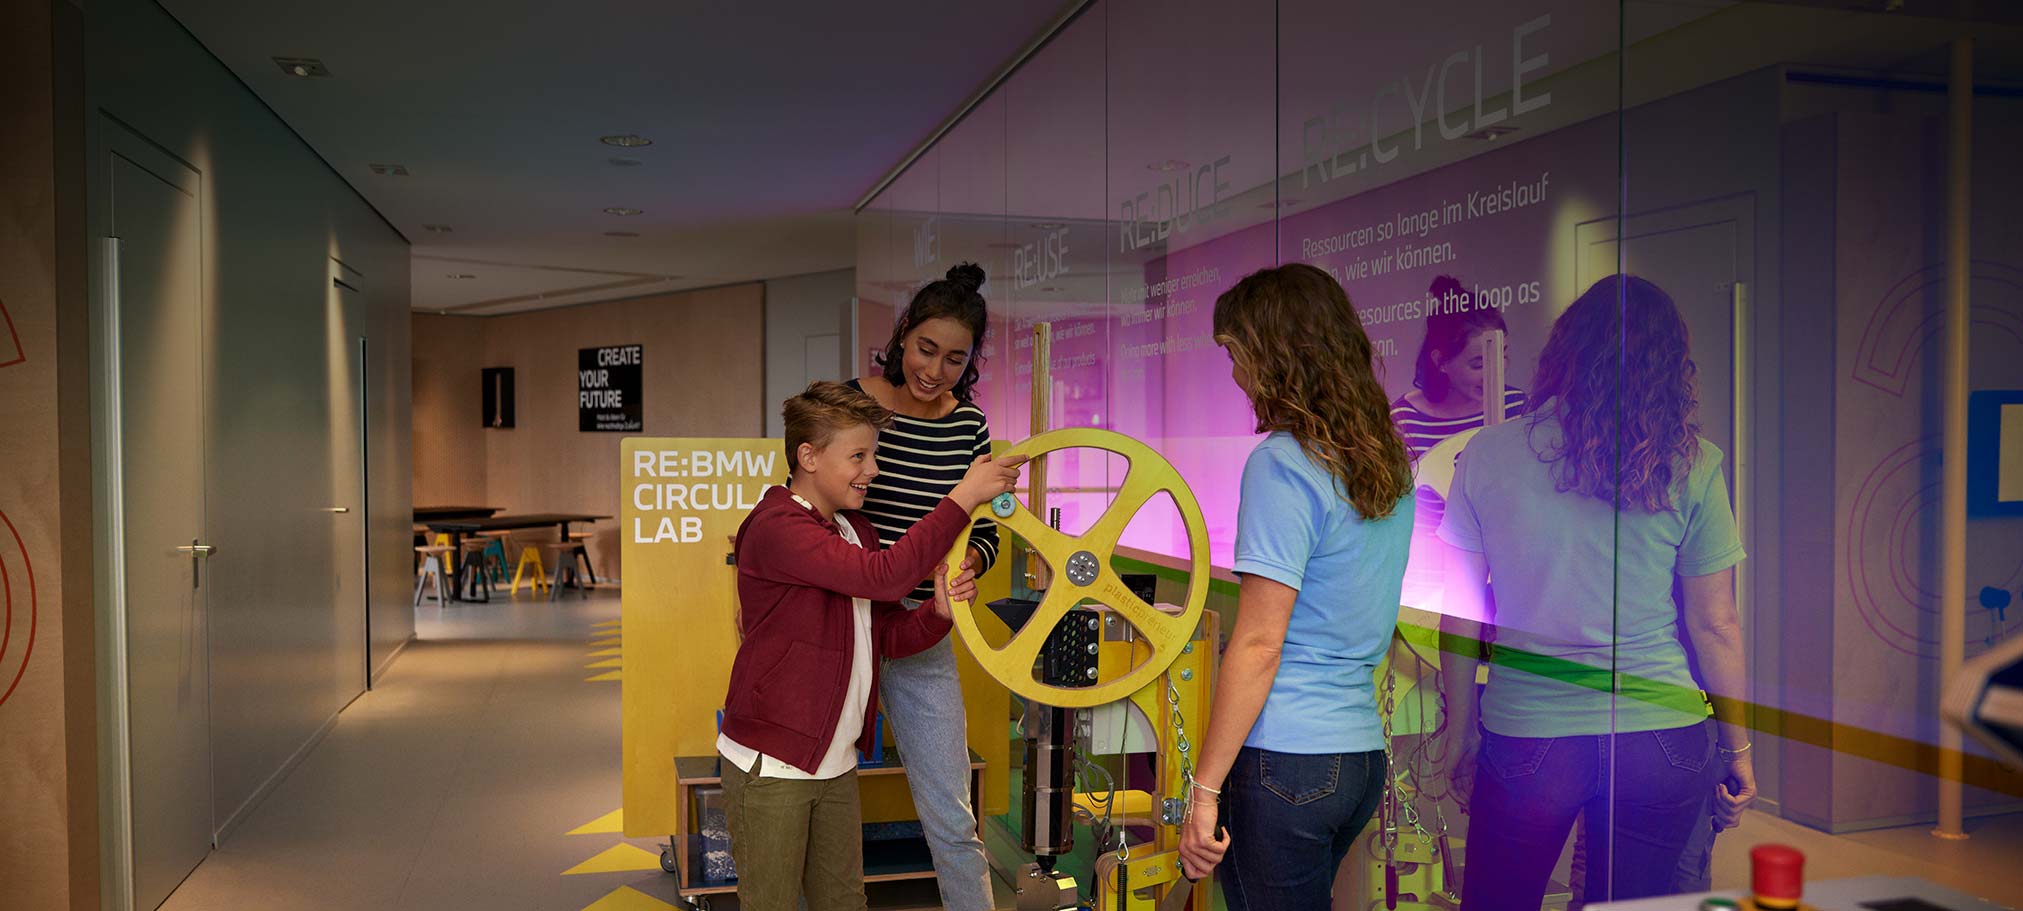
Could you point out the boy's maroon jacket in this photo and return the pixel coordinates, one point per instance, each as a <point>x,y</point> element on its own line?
<point>796,576</point>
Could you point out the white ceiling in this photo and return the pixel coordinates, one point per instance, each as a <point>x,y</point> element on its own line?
<point>768,120</point>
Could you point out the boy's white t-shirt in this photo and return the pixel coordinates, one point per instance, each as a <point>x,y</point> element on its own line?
<point>842,754</point>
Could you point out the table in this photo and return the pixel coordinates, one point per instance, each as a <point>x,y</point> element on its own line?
<point>458,528</point>
<point>425,514</point>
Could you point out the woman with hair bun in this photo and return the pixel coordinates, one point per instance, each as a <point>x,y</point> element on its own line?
<point>1447,397</point>
<point>928,371</point>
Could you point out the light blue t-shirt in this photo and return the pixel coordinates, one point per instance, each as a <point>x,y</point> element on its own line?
<point>1587,635</point>
<point>1294,527</point>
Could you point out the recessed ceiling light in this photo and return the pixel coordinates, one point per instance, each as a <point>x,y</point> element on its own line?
<point>1048,225</point>
<point>1170,164</point>
<point>437,229</point>
<point>625,162</point>
<point>461,276</point>
<point>302,67</point>
<point>389,170</point>
<point>626,141</point>
<point>621,234</point>
<point>1491,134</point>
<point>622,210</point>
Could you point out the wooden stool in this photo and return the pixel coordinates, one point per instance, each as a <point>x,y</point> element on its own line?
<point>431,571</point>
<point>584,538</point>
<point>470,574</point>
<point>530,557</point>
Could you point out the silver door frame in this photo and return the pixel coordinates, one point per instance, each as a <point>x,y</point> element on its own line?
<point>110,137</point>
<point>346,280</point>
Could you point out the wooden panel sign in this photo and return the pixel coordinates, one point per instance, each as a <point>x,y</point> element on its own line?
<point>682,501</point>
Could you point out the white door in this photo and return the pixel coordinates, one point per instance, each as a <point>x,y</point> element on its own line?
<point>346,320</point>
<point>157,283</point>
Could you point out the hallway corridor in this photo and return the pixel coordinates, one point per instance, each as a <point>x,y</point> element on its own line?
<point>450,787</point>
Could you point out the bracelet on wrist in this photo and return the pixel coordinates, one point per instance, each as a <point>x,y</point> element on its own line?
<point>1727,753</point>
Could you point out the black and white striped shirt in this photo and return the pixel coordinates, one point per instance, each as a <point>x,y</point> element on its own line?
<point>919,461</point>
<point>1423,431</point>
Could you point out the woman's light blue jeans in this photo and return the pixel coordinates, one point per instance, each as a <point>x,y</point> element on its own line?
<point>922,698</point>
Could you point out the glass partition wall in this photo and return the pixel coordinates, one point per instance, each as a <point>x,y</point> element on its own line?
<point>1659,290</point>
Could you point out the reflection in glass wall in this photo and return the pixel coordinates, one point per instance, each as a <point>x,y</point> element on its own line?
<point>1658,291</point>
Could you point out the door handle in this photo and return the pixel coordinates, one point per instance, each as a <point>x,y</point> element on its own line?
<point>337,509</point>
<point>196,551</point>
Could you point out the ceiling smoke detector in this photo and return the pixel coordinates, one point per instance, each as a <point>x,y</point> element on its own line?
<point>626,141</point>
<point>303,67</point>
<point>622,210</point>
<point>389,170</point>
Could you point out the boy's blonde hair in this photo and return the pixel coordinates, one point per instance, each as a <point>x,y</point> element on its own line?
<point>823,409</point>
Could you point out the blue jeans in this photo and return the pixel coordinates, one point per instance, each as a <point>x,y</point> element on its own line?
<point>922,699</point>
<point>1639,795</point>
<point>1291,818</point>
<point>1696,867</point>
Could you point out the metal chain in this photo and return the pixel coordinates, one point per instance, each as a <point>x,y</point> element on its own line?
<point>1394,781</point>
<point>1180,736</point>
<point>1181,743</point>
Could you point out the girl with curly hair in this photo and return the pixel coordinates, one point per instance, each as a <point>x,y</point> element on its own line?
<point>1586,513</point>
<point>1293,762</point>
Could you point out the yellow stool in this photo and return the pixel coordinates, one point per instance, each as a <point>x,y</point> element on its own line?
<point>530,556</point>
<point>450,559</point>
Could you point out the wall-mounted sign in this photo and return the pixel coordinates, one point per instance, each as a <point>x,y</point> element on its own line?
<point>498,397</point>
<point>608,383</point>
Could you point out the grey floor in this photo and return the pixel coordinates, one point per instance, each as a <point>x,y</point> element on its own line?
<point>452,785</point>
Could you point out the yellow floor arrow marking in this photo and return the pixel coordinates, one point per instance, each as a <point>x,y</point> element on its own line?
<point>623,857</point>
<point>610,823</point>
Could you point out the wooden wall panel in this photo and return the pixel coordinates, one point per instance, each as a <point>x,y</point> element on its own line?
<point>48,735</point>
<point>449,445</point>
<point>704,376</point>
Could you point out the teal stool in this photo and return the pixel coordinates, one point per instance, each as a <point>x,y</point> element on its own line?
<point>494,556</point>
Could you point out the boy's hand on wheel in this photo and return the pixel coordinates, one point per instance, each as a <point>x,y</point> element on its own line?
<point>963,586</point>
<point>986,479</point>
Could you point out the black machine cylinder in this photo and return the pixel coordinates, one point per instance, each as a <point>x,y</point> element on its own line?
<point>1049,782</point>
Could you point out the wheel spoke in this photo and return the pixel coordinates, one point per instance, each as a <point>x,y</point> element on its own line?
<point>1024,649</point>
<point>1051,544</point>
<point>1152,623</point>
<point>1138,489</point>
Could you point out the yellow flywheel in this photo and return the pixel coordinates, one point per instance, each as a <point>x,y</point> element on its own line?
<point>1082,572</point>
